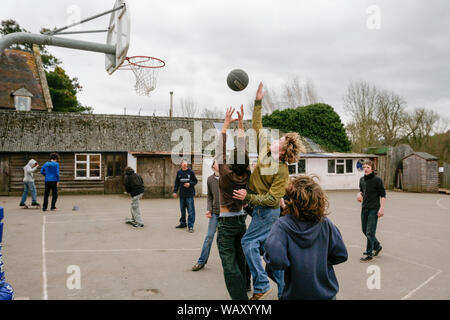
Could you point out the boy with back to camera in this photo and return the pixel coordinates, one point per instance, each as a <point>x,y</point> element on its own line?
<point>305,243</point>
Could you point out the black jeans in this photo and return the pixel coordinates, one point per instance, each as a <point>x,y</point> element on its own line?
<point>369,219</point>
<point>54,188</point>
<point>229,234</point>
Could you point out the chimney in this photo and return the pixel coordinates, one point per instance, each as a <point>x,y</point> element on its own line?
<point>171,104</point>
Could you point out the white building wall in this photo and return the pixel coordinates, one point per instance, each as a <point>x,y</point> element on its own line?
<point>328,181</point>
<point>132,161</point>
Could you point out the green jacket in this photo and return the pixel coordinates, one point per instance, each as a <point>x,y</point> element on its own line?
<point>270,177</point>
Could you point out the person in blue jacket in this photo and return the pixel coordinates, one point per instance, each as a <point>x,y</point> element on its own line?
<point>305,243</point>
<point>51,172</point>
<point>185,181</point>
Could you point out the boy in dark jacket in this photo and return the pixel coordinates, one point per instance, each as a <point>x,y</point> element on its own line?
<point>306,244</point>
<point>134,185</point>
<point>185,181</point>
<point>51,172</point>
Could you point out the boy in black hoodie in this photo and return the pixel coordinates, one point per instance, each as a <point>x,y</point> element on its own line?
<point>306,244</point>
<point>134,185</point>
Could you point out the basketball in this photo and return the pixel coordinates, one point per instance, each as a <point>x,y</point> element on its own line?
<point>237,80</point>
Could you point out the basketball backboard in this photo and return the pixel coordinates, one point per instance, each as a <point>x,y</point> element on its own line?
<point>118,36</point>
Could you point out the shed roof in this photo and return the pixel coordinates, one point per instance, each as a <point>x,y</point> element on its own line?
<point>423,155</point>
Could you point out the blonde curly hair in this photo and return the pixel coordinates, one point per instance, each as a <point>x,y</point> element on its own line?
<point>292,147</point>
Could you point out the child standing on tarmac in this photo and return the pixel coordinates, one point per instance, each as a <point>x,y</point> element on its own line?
<point>28,183</point>
<point>134,185</point>
<point>306,244</point>
<point>50,170</point>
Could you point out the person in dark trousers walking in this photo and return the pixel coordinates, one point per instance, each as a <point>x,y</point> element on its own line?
<point>134,185</point>
<point>51,172</point>
<point>212,213</point>
<point>28,183</point>
<point>185,181</point>
<point>234,174</point>
<point>372,195</point>
<point>305,243</point>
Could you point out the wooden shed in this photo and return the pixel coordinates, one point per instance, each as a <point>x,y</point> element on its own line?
<point>420,172</point>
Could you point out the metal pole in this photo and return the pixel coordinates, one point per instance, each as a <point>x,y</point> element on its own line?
<point>171,104</point>
<point>83,21</point>
<point>82,32</point>
<point>24,37</point>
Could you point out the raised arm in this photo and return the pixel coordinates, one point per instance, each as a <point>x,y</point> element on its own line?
<point>221,147</point>
<point>261,143</point>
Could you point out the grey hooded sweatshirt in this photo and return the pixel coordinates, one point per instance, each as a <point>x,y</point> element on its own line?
<point>29,171</point>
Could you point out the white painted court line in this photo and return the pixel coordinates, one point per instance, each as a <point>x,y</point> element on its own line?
<point>120,250</point>
<point>44,262</point>
<point>401,259</point>
<point>409,295</point>
<point>94,220</point>
<point>406,235</point>
<point>438,202</point>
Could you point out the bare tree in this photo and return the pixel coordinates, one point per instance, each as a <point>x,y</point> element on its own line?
<point>390,116</point>
<point>212,113</point>
<point>360,102</point>
<point>420,125</point>
<point>296,94</point>
<point>189,107</point>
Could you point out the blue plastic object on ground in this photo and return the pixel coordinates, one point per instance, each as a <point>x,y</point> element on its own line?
<point>6,291</point>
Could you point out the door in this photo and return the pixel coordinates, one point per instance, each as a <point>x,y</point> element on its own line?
<point>152,170</point>
<point>4,175</point>
<point>114,173</point>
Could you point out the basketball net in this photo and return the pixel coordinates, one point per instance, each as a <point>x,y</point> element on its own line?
<point>146,71</point>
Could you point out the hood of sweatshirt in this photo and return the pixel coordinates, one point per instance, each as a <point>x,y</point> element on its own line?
<point>30,163</point>
<point>304,233</point>
<point>129,171</point>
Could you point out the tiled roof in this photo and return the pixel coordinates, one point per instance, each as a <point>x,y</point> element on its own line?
<point>18,70</point>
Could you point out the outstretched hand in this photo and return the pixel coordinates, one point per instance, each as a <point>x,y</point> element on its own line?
<point>241,116</point>
<point>228,119</point>
<point>259,92</point>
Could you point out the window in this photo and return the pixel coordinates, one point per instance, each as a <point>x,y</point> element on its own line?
<point>297,168</point>
<point>340,166</point>
<point>331,166</point>
<point>292,169</point>
<point>22,103</point>
<point>113,165</point>
<point>301,165</point>
<point>349,166</point>
<point>88,166</point>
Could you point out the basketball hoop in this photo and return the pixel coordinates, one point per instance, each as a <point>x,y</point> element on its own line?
<point>145,70</point>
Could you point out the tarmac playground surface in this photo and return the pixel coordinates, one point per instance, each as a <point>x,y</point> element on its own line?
<point>117,261</point>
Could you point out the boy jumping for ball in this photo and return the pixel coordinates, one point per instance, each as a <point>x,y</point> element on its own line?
<point>266,188</point>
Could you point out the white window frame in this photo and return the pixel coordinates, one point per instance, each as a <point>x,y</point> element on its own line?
<point>345,167</point>
<point>88,165</point>
<point>296,168</point>
<point>27,106</point>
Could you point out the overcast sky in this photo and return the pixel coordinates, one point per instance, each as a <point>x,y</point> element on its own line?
<point>401,45</point>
